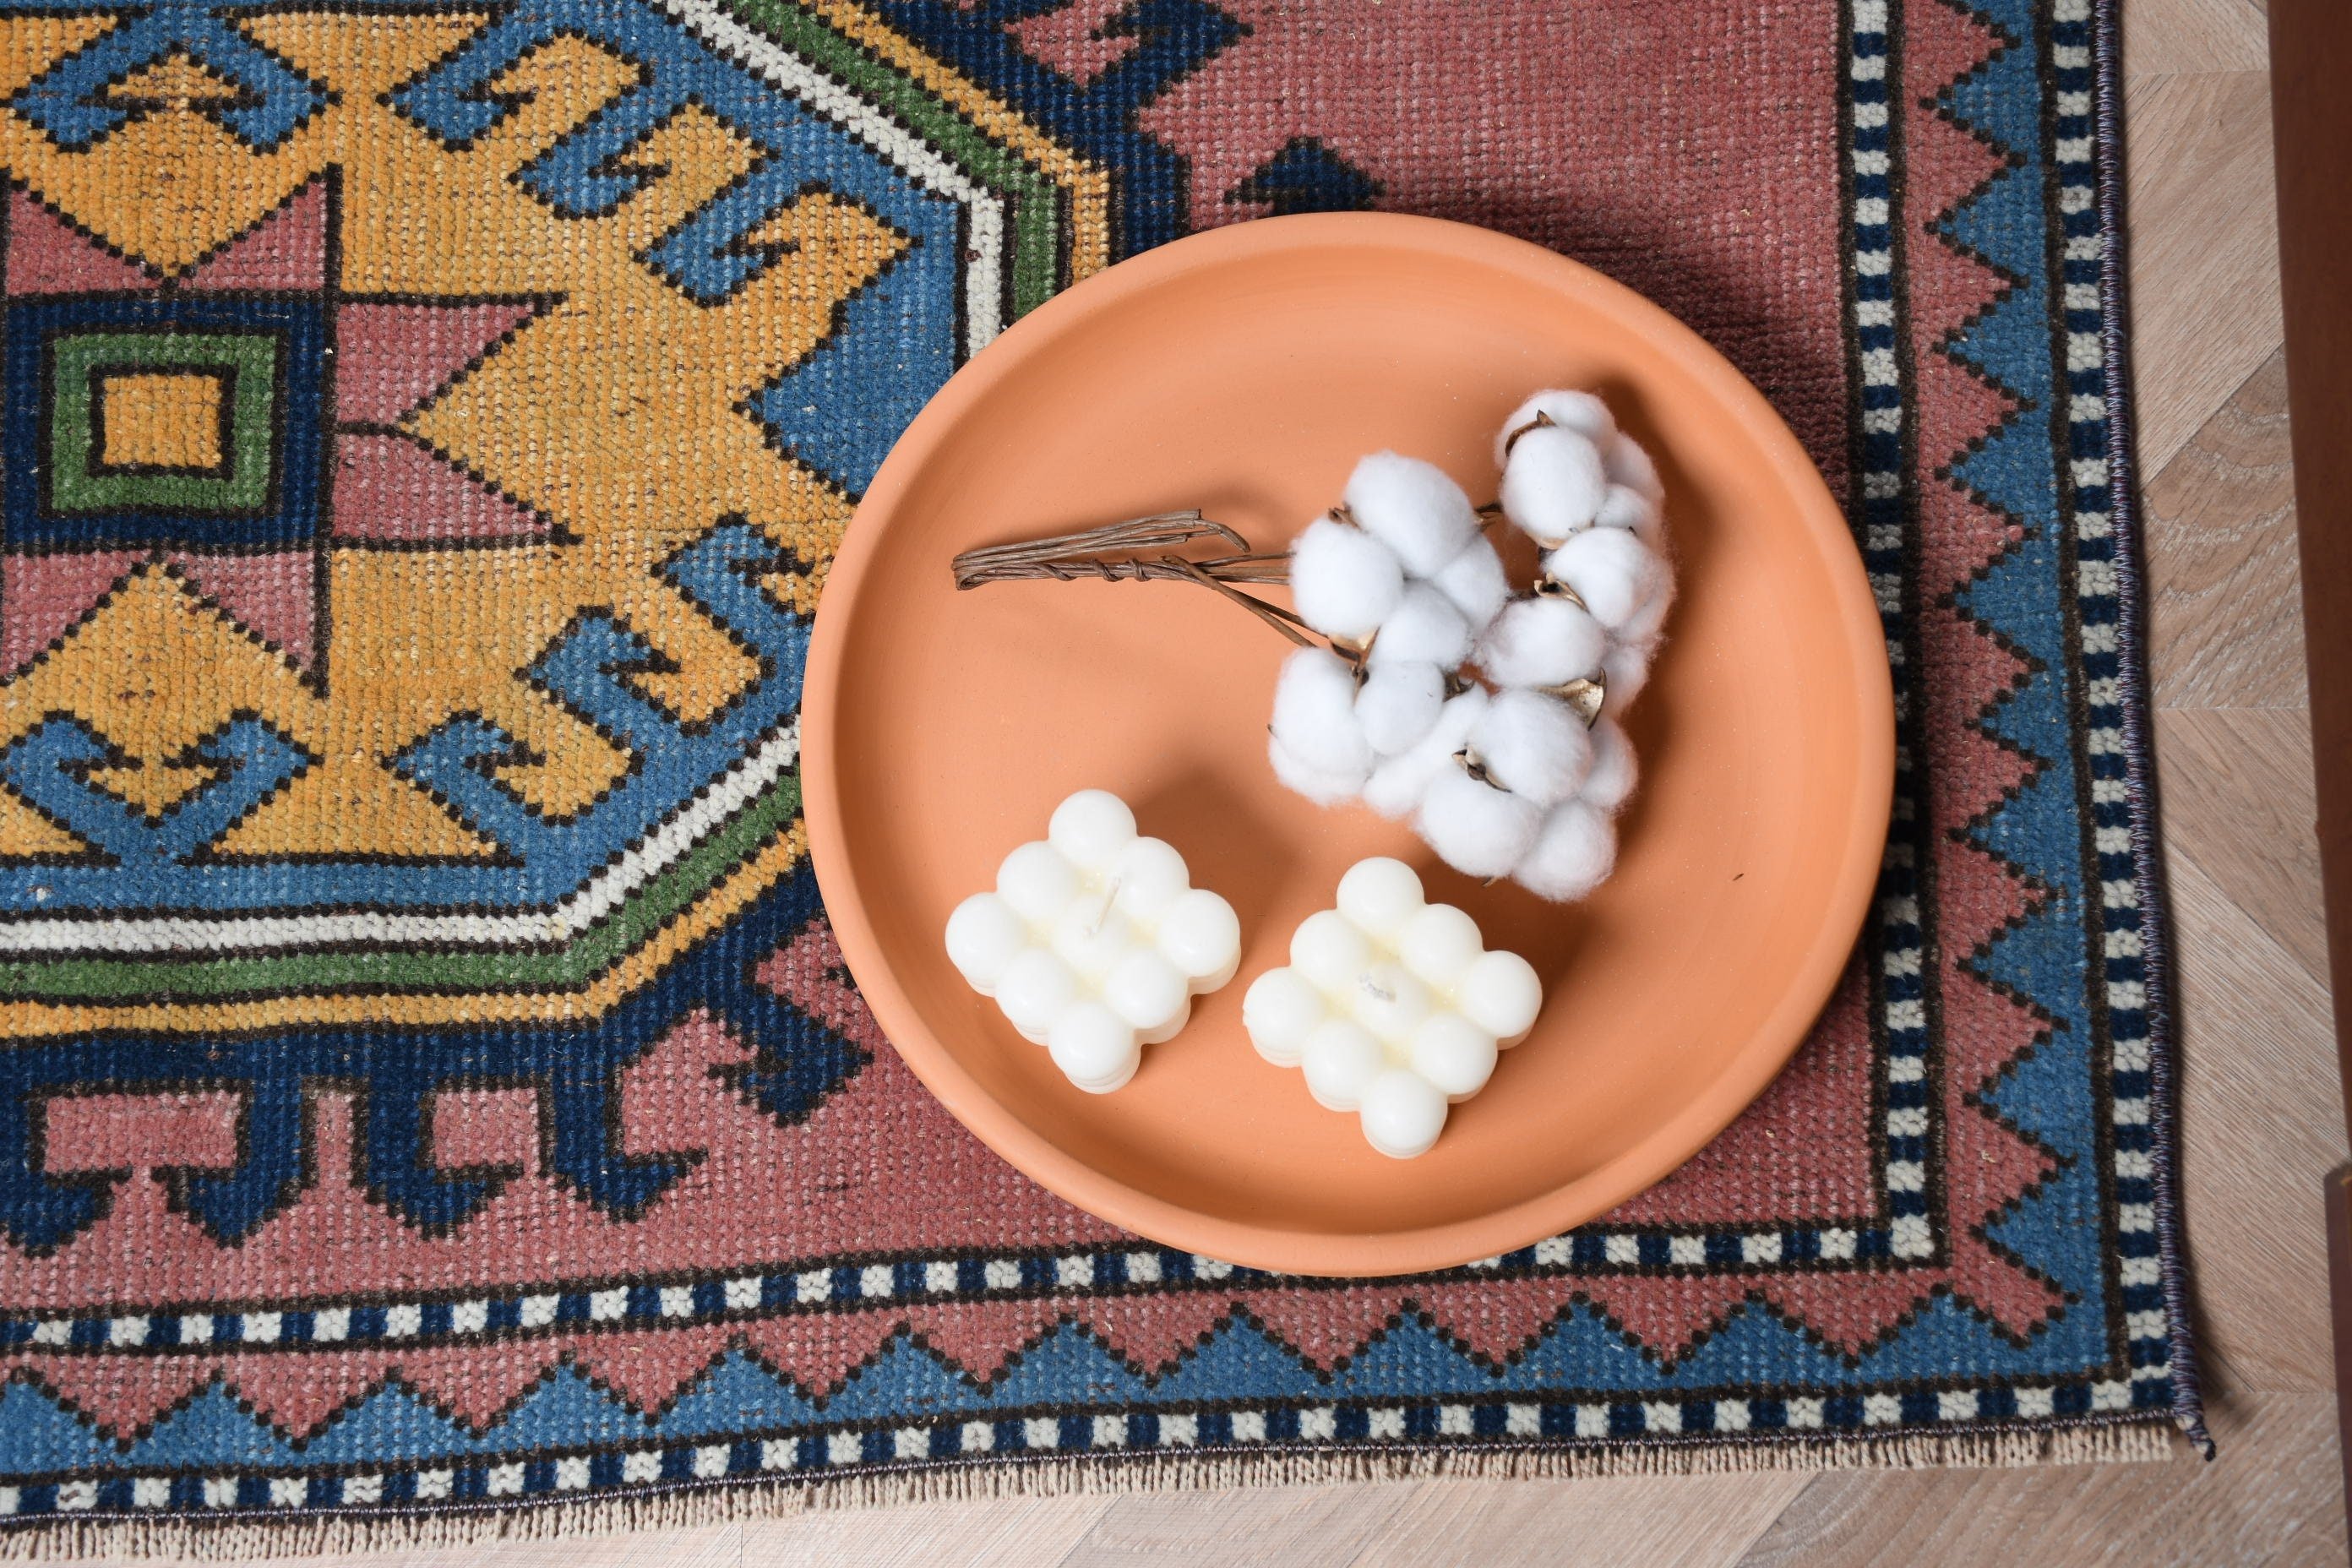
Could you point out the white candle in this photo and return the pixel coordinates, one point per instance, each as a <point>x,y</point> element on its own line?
<point>1392,1007</point>
<point>1095,942</point>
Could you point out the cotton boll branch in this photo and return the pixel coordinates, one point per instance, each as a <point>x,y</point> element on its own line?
<point>1100,554</point>
<point>1422,685</point>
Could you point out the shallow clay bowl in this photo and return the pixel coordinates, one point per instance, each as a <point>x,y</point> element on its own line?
<point>1243,371</point>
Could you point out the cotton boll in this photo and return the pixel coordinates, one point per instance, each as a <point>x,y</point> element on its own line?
<point>1403,1113</point>
<point>1541,640</point>
<point>1475,582</point>
<point>1399,704</point>
<point>1631,467</point>
<point>1425,629</point>
<point>1579,411</point>
<point>1379,895</point>
<point>1614,769</point>
<point>1644,624</point>
<point>1573,854</point>
<point>1553,485</point>
<point>1344,582</point>
<point>1477,829</point>
<point>1396,787</point>
<point>1412,508</point>
<point>1625,669</point>
<point>1279,1010</point>
<point>1626,507</point>
<point>1533,746</point>
<point>1613,571</point>
<point>1322,788</point>
<point>1315,714</point>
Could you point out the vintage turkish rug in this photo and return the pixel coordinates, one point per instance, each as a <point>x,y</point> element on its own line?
<point>429,1092</point>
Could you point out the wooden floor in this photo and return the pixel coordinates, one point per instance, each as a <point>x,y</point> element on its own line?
<point>2262,1122</point>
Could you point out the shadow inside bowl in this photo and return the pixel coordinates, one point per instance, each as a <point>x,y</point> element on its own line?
<point>1234,847</point>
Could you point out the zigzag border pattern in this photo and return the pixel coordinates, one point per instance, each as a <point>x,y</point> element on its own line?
<point>2078,244</point>
<point>1927,467</point>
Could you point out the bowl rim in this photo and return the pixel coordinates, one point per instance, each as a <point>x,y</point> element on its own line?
<point>1305,1251</point>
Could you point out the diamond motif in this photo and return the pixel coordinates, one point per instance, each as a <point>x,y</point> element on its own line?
<point>222,418</point>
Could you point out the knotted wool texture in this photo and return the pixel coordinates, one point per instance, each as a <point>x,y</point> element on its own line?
<point>432,1101</point>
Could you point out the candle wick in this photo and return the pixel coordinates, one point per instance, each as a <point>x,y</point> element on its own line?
<point>1102,913</point>
<point>1375,990</point>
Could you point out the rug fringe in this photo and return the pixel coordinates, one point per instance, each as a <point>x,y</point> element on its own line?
<point>700,1505</point>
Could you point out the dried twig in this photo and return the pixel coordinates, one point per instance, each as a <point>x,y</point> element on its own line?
<point>1123,553</point>
<point>1064,556</point>
<point>1100,553</point>
<point>1279,619</point>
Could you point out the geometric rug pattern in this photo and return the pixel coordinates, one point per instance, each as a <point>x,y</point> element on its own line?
<point>428,1085</point>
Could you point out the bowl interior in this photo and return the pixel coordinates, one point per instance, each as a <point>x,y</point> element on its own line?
<point>1245,378</point>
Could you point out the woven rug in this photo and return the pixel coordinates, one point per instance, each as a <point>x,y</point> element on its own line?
<point>432,1102</point>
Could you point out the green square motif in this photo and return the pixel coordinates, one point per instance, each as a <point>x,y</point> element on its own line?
<point>247,362</point>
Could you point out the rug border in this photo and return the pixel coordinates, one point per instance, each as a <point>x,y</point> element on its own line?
<point>2140,792</point>
<point>693,1505</point>
<point>2133,1436</point>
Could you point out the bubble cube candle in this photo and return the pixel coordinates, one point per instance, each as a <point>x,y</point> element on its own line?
<point>1393,1007</point>
<point>1095,942</point>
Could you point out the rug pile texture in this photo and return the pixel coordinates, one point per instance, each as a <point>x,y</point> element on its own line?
<point>431,1100</point>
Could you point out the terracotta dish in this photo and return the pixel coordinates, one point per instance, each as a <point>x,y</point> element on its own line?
<point>1243,371</point>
